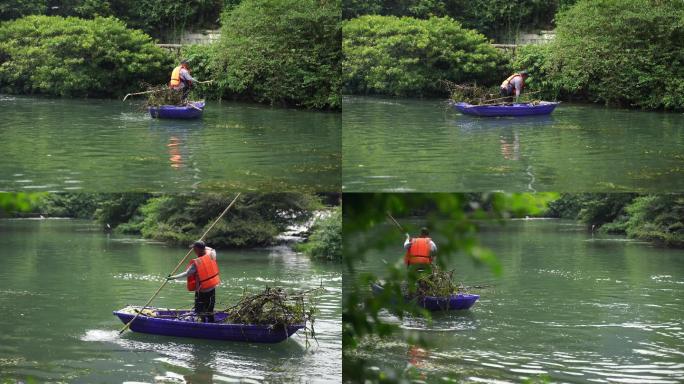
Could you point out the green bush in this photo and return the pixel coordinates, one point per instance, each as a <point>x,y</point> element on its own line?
<point>620,52</point>
<point>535,59</point>
<point>164,19</point>
<point>601,208</point>
<point>408,57</point>
<point>74,205</point>
<point>497,19</point>
<point>167,19</point>
<point>120,208</point>
<point>13,9</point>
<point>567,206</point>
<point>658,218</point>
<point>283,52</point>
<point>201,58</point>
<point>325,242</point>
<point>75,57</point>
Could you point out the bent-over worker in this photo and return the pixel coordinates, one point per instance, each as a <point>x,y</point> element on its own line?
<point>419,251</point>
<point>181,80</point>
<point>514,85</point>
<point>203,277</point>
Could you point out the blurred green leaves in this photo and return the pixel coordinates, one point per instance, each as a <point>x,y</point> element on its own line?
<point>12,203</point>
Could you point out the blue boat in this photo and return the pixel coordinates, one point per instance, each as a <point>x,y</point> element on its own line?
<point>191,110</point>
<point>185,323</point>
<point>516,109</point>
<point>434,303</point>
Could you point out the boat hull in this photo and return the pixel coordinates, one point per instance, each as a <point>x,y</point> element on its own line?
<point>168,324</point>
<point>192,111</point>
<point>543,108</point>
<point>432,303</point>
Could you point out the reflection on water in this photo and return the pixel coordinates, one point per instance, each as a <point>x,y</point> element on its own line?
<point>61,280</point>
<point>106,145</point>
<point>569,306</point>
<point>175,156</point>
<point>422,145</point>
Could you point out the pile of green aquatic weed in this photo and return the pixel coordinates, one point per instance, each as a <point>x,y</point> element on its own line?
<point>162,95</point>
<point>436,283</point>
<point>470,93</point>
<point>274,307</point>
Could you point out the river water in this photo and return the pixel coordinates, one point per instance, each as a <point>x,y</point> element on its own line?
<point>423,145</point>
<point>61,280</point>
<point>108,145</point>
<point>569,307</point>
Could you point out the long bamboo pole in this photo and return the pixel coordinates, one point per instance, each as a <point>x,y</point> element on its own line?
<point>139,93</point>
<point>396,222</point>
<point>157,90</point>
<point>178,265</point>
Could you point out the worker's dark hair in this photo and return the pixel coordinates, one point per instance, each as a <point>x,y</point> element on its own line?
<point>424,231</point>
<point>184,61</point>
<point>198,245</point>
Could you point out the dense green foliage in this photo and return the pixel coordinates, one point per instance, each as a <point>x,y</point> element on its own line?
<point>409,57</point>
<point>284,52</point>
<point>73,205</point>
<point>119,208</point>
<point>617,52</point>
<point>497,19</point>
<point>167,19</point>
<point>201,58</point>
<point>255,220</point>
<point>13,9</point>
<point>657,218</point>
<point>164,19</point>
<point>535,59</point>
<point>76,57</point>
<point>325,242</point>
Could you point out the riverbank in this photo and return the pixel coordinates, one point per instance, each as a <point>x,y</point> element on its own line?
<point>658,219</point>
<point>256,220</point>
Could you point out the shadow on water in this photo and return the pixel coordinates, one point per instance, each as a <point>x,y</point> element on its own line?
<point>471,124</point>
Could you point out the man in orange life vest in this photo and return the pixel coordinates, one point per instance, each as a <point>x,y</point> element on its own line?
<point>514,85</point>
<point>419,251</point>
<point>181,80</point>
<point>203,277</point>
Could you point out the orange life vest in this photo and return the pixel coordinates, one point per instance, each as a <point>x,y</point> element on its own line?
<point>175,77</point>
<point>419,251</point>
<point>507,83</point>
<point>207,272</point>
